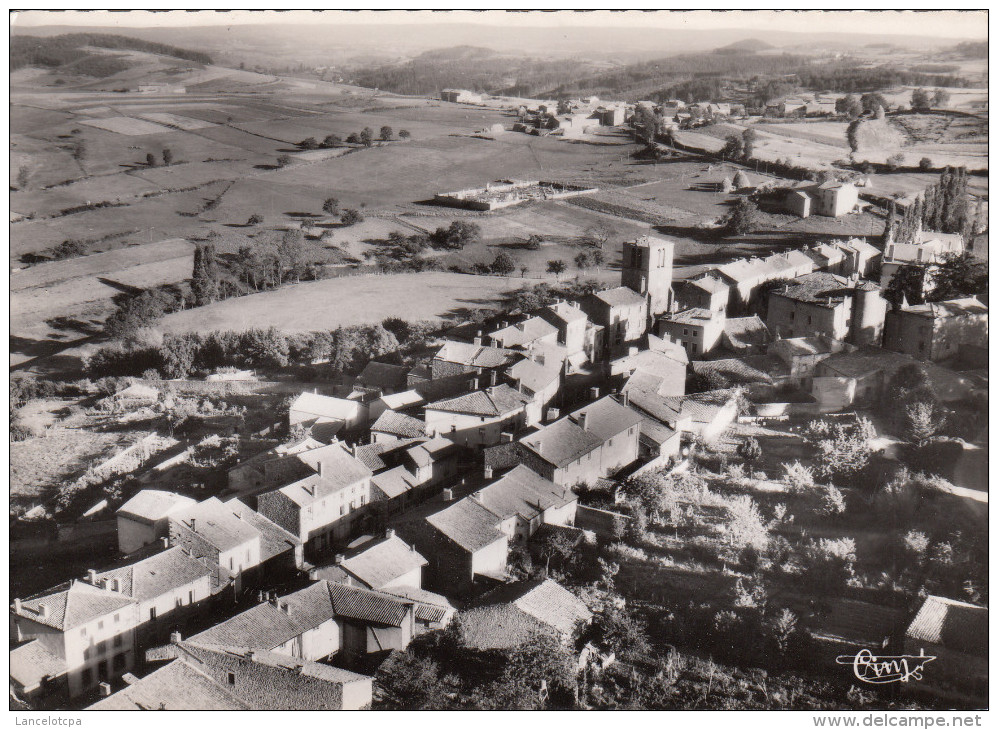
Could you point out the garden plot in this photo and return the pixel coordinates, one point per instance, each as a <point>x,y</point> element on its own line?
<point>173,120</point>
<point>126,125</point>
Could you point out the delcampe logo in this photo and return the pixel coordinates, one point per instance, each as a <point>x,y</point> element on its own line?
<point>874,669</point>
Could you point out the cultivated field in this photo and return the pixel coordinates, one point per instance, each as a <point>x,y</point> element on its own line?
<point>365,299</point>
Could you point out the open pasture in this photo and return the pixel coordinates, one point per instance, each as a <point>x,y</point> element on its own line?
<point>125,125</point>
<point>187,124</point>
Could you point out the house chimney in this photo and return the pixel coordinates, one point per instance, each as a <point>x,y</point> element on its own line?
<point>390,533</point>
<point>829,301</point>
<point>164,542</point>
<point>493,378</point>
<point>539,446</point>
<point>116,585</point>
<point>251,655</point>
<point>504,324</point>
<point>505,437</point>
<point>194,525</point>
<point>583,421</point>
<point>105,689</point>
<point>92,577</point>
<point>487,472</point>
<point>43,610</point>
<point>17,605</point>
<point>447,495</point>
<point>625,399</point>
<point>284,606</point>
<point>175,637</point>
<point>553,414</point>
<point>477,495</point>
<point>521,326</point>
<point>338,560</point>
<point>129,678</point>
<point>321,470</point>
<point>474,384</point>
<point>594,393</point>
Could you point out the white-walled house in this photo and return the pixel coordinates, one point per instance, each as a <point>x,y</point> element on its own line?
<point>145,518</point>
<point>478,418</point>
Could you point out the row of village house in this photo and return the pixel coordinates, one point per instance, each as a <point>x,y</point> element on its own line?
<point>468,456</point>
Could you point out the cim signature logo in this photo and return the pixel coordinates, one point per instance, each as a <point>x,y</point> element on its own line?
<point>874,669</point>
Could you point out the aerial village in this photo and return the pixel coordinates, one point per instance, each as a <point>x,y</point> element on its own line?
<point>633,479</point>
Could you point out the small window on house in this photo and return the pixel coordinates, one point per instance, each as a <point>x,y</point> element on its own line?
<point>152,613</point>
<point>83,631</point>
<point>353,505</point>
<point>117,640</point>
<point>88,677</point>
<point>362,500</point>
<point>231,678</point>
<point>342,510</point>
<point>100,625</point>
<point>179,601</point>
<point>791,315</point>
<point>232,565</point>
<point>247,557</point>
<point>921,347</point>
<point>190,597</point>
<point>809,319</point>
<point>119,662</point>
<point>686,332</point>
<point>117,618</point>
<point>86,654</point>
<point>102,647</point>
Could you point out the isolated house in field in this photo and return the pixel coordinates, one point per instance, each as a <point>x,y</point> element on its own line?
<point>212,677</point>
<point>167,588</point>
<point>832,199</point>
<point>324,507</point>
<point>76,631</point>
<point>936,330</point>
<point>956,634</point>
<point>325,416</point>
<point>478,418</point>
<point>144,518</point>
<point>593,442</point>
<point>514,614</point>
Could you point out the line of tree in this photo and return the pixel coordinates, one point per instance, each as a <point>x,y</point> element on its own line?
<point>68,50</point>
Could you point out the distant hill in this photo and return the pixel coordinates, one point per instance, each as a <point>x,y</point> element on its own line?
<point>749,45</point>
<point>69,53</point>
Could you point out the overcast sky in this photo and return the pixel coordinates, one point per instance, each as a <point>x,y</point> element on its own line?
<point>950,24</point>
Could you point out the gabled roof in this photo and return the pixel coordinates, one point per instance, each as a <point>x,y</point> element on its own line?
<point>475,355</point>
<point>399,424</point>
<point>523,333</point>
<point>380,564</point>
<point>339,471</point>
<point>217,524</point>
<point>323,406</point>
<point>382,375</point>
<point>745,332</point>
<point>562,442</point>
<point>394,482</point>
<point>430,607</point>
<point>72,605</point>
<point>959,626</point>
<point>739,371</point>
<point>665,409</point>
<point>366,605</point>
<point>177,686</point>
<point>372,455</point>
<point>704,407</point>
<point>533,375</point>
<point>497,400</point>
<point>467,524</point>
<point>522,492</point>
<point>513,614</point>
<point>436,448</point>
<point>152,504</point>
<point>621,296</point>
<point>157,575</point>
<point>816,288</point>
<point>274,539</point>
<point>606,417</point>
<point>565,311</point>
<point>710,284</point>
<point>695,316</point>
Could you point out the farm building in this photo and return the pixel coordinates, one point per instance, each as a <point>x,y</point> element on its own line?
<point>461,96</point>
<point>832,199</point>
<point>936,330</point>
